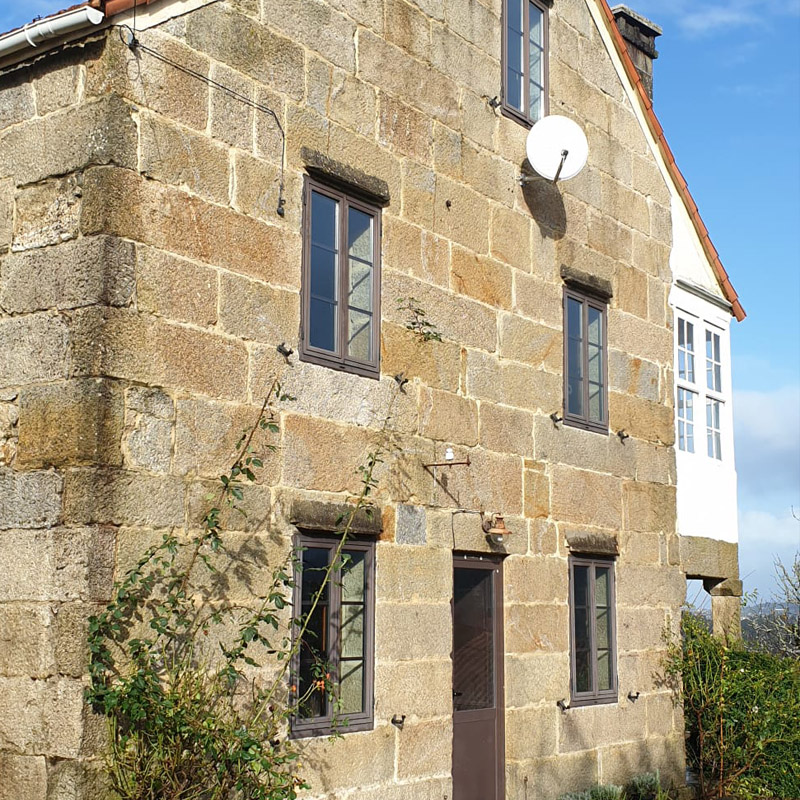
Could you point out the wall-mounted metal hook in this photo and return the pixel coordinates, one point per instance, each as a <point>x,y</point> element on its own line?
<point>556,418</point>
<point>633,696</point>
<point>563,705</point>
<point>623,435</point>
<point>401,381</point>
<point>398,720</point>
<point>494,103</point>
<point>284,350</point>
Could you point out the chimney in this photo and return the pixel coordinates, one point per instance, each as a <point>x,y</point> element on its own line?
<point>640,39</point>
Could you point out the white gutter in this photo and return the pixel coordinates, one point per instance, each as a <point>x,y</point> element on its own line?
<point>34,33</point>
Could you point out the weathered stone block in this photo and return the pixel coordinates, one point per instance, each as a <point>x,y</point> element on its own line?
<point>411,525</point>
<point>506,430</point>
<point>250,515</point>
<point>97,269</point>
<point>423,749</point>
<point>584,497</point>
<point>120,497</point>
<point>29,499</point>
<point>231,119</point>
<point>626,205</point>
<point>151,401</point>
<point>26,646</point>
<point>530,342</point>
<point>413,574</point>
<point>181,157</point>
<point>418,190</point>
<point>449,418</point>
<point>32,348</point>
<point>587,727</point>
<point>408,28</point>
<point>466,219</point>
<point>398,689</point>
<point>436,364</point>
<point>412,631</point>
<point>511,238</point>
<point>59,564</point>
<point>460,61</point>
<point>408,248</point>
<point>476,23</point>
<point>639,629</point>
<point>531,732</point>
<point>481,278</point>
<point>648,507</point>
<point>623,762</point>
<point>6,214</point>
<point>120,343</point>
<point>404,129</point>
<point>22,777</point>
<point>479,121</point>
<point>641,419</point>
<point>608,236</point>
<point>18,102</point>
<point>709,558</point>
<point>251,310</point>
<point>47,213</point>
<point>122,203</point>
<point>536,579</point>
<point>101,132</point>
<point>638,337</point>
<point>536,628</point>
<point>635,376</point>
<point>549,778</point>
<point>538,300</point>
<point>70,423</point>
<point>534,678</point>
<point>657,585</point>
<point>175,288</point>
<point>511,383</point>
<point>257,191</point>
<point>58,84</point>
<point>147,443</point>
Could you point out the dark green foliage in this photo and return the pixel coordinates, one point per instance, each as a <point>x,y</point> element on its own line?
<point>418,321</point>
<point>742,712</point>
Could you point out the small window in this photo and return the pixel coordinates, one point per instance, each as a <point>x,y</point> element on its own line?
<point>585,395</point>
<point>341,281</point>
<point>593,631</point>
<point>333,668</point>
<point>713,428</point>
<point>525,32</point>
<point>686,420</point>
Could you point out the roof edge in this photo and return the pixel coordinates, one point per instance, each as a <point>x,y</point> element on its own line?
<point>680,182</point>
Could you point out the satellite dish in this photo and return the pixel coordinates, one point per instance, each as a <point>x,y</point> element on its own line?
<point>557,148</point>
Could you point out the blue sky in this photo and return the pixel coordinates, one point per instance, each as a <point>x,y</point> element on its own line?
<point>727,91</point>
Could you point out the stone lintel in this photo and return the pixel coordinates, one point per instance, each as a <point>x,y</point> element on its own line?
<point>354,180</point>
<point>587,282</point>
<point>592,543</point>
<point>703,558</point>
<point>318,516</point>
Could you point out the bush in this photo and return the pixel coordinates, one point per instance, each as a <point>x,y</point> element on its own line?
<point>742,712</point>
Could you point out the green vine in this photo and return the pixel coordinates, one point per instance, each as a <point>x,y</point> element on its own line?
<point>418,322</point>
<point>186,723</point>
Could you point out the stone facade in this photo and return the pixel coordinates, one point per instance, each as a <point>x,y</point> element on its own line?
<point>145,281</point>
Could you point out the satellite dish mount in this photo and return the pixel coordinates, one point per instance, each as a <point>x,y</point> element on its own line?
<point>556,148</point>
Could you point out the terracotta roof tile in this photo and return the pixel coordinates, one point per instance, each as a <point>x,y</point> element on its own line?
<point>680,181</point>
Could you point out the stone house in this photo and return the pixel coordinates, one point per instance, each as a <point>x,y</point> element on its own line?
<point>172,210</point>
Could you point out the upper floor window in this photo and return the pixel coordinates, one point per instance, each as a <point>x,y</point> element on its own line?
<point>593,630</point>
<point>585,388</point>
<point>333,668</point>
<point>525,59</point>
<point>341,281</point>
<point>690,391</point>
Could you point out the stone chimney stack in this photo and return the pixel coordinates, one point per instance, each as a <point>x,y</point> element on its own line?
<point>640,39</point>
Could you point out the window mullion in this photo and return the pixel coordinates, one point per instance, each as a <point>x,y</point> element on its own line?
<point>343,273</point>
<point>334,622</point>
<point>593,617</point>
<point>526,58</point>
<point>585,357</point>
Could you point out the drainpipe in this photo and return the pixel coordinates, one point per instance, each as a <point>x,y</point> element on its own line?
<point>34,33</point>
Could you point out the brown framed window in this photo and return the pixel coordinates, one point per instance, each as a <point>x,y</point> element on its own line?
<point>525,57</point>
<point>332,686</point>
<point>340,324</point>
<point>585,356</point>
<point>592,630</point>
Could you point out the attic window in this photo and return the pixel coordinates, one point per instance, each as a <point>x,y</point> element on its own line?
<point>525,55</point>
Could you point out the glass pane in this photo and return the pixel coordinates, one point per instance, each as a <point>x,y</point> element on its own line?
<point>595,364</point>
<point>360,341</point>
<point>690,336</point>
<point>581,590</point>
<point>575,358</point>
<point>514,89</point>
<point>601,581</point>
<point>718,378</point>
<point>595,402</point>
<point>352,631</point>
<point>595,335</point>
<point>353,576</point>
<point>360,295</point>
<point>602,628</point>
<point>583,672</point>
<point>535,107</point>
<point>583,629</point>
<point>690,368</point>
<point>690,438</point>
<point>473,639</point>
<point>322,325</point>
<point>574,318</point>
<point>681,332</point>
<point>324,213</point>
<point>604,670</point>
<point>351,687</point>
<point>359,235</point>
<point>315,564</point>
<point>515,16</point>
<point>313,651</point>
<point>575,396</point>
<point>535,22</point>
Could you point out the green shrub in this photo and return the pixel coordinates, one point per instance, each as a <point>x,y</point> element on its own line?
<point>644,787</point>
<point>742,713</point>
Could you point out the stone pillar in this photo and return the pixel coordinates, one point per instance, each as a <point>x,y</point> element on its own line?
<point>726,601</point>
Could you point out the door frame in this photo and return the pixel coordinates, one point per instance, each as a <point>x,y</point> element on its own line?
<point>495,564</point>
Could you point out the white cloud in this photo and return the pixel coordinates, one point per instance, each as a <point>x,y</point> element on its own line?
<point>763,537</point>
<point>767,431</point>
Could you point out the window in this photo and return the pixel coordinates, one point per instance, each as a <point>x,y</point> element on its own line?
<point>338,640</point>
<point>341,281</point>
<point>690,392</point>
<point>585,403</point>
<point>525,59</point>
<point>593,631</point>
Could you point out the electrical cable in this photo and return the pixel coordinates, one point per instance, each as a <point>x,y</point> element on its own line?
<point>134,44</point>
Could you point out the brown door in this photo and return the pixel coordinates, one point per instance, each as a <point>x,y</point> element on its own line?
<point>478,747</point>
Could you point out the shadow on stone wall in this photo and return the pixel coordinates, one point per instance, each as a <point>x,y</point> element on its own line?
<point>545,203</point>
